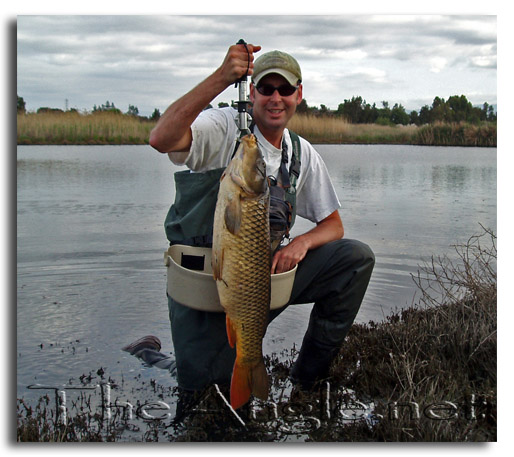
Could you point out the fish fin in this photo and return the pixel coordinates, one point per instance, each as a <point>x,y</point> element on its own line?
<point>233,216</point>
<point>246,381</point>
<point>231,333</point>
<point>217,264</point>
<point>260,381</point>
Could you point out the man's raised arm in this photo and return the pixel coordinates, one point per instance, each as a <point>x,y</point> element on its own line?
<point>173,130</point>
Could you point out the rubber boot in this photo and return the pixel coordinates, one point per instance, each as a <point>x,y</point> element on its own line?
<point>313,364</point>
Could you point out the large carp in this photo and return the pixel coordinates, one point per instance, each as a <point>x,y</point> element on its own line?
<point>241,263</point>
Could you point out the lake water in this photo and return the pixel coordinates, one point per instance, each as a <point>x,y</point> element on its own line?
<point>90,244</point>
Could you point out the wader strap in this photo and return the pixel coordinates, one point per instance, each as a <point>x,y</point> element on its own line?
<point>294,170</point>
<point>290,177</point>
<point>294,173</point>
<point>286,183</point>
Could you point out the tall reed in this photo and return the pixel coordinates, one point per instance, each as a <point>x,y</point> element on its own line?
<point>460,134</point>
<point>112,128</point>
<point>327,129</point>
<point>337,130</point>
<point>75,128</point>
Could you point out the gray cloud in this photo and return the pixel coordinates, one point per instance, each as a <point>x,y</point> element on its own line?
<point>149,61</point>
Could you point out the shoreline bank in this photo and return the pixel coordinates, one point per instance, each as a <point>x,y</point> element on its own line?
<point>116,129</point>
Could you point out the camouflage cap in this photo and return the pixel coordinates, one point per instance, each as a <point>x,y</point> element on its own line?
<point>280,63</point>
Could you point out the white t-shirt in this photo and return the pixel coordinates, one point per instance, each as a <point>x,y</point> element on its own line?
<point>214,136</point>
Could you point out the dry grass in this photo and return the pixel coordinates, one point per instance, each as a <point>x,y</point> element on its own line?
<point>112,128</point>
<point>75,128</point>
<point>443,353</point>
<point>337,130</point>
<point>460,134</point>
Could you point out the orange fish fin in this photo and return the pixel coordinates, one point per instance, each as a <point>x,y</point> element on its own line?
<point>231,333</point>
<point>260,381</point>
<point>240,389</point>
<point>246,381</point>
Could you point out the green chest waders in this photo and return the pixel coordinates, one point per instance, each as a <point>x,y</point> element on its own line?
<point>202,352</point>
<point>191,217</point>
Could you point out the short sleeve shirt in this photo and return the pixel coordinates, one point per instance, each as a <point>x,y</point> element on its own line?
<point>214,137</point>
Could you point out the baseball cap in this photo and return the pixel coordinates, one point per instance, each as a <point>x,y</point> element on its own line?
<point>277,62</point>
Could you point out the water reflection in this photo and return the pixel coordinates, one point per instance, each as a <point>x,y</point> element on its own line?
<point>451,178</point>
<point>410,203</point>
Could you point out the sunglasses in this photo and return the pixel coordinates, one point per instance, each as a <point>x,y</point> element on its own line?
<point>285,90</point>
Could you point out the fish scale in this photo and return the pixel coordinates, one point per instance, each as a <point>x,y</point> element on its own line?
<point>253,290</point>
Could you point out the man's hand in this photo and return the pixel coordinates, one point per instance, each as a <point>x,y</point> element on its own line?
<point>235,64</point>
<point>329,229</point>
<point>290,255</point>
<point>172,134</point>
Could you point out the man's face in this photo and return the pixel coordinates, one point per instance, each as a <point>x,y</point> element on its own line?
<point>272,112</point>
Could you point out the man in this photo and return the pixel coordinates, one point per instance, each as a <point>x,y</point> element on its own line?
<point>332,272</point>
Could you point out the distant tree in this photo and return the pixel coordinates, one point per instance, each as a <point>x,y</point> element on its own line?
<point>352,109</point>
<point>484,111</point>
<point>440,111</point>
<point>20,104</point>
<point>323,110</point>
<point>223,105</point>
<point>456,109</point>
<point>313,110</point>
<point>133,110</point>
<point>425,115</point>
<point>384,114</point>
<point>399,115</point>
<point>459,109</point>
<point>370,113</point>
<point>385,111</point>
<point>302,107</point>
<point>491,115</point>
<point>155,115</point>
<point>414,118</point>
<point>108,106</point>
<point>45,109</point>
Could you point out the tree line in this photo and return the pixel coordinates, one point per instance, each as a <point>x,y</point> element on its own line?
<point>355,110</point>
<point>108,106</point>
<point>455,109</point>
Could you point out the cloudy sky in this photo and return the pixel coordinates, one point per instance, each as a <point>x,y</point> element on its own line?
<point>151,60</point>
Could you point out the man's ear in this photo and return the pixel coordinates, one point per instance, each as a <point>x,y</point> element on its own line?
<point>252,92</point>
<point>299,94</point>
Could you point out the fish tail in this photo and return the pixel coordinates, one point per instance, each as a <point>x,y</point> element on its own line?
<point>247,380</point>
